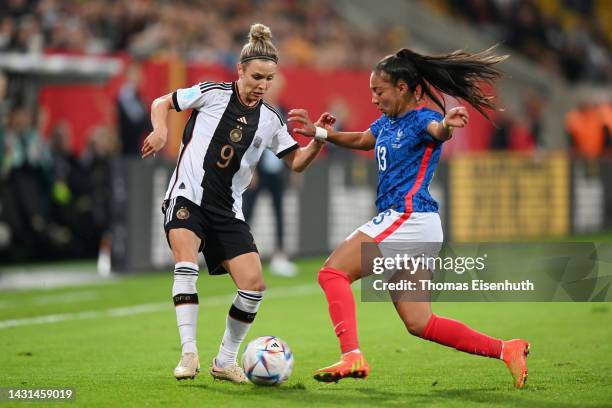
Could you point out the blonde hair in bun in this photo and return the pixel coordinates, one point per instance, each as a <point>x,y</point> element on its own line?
<point>260,45</point>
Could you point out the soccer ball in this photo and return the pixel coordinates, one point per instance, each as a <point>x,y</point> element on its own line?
<point>267,361</point>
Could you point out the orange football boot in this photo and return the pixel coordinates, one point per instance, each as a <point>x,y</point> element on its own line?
<point>514,354</point>
<point>351,364</point>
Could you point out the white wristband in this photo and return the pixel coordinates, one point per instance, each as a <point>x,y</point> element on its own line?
<point>320,134</point>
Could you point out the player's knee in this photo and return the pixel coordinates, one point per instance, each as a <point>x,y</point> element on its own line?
<point>415,326</point>
<point>259,286</point>
<point>327,273</point>
<point>255,284</point>
<point>184,254</point>
<point>321,277</point>
<point>258,283</point>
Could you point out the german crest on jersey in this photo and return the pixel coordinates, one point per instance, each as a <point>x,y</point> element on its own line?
<point>236,134</point>
<point>182,213</point>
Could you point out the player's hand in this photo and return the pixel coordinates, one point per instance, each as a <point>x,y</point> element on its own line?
<point>154,142</point>
<point>327,121</point>
<point>457,117</point>
<point>301,116</point>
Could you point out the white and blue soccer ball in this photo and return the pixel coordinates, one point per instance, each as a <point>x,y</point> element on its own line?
<point>267,361</point>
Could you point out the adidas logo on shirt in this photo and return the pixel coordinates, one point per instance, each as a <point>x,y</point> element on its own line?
<point>242,119</point>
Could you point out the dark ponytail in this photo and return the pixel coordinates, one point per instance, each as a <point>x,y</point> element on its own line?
<point>457,74</point>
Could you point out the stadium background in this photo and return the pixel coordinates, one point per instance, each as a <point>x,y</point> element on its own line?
<point>72,184</point>
<point>542,171</point>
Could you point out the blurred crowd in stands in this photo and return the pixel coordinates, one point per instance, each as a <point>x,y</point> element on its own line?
<point>566,36</point>
<point>48,195</point>
<point>308,32</point>
<point>570,37</point>
<point>52,203</point>
<point>57,204</point>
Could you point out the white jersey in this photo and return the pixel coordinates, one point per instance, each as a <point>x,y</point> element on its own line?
<point>222,143</point>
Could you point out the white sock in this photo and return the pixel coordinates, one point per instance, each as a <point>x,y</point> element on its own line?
<point>185,296</point>
<point>239,320</point>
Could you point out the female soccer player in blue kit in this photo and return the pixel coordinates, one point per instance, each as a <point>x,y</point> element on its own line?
<point>408,142</point>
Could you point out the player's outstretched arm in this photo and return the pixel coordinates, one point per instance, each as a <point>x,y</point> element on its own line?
<point>353,140</point>
<point>156,140</point>
<point>455,118</point>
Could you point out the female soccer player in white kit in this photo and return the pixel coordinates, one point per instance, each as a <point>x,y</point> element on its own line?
<point>229,128</point>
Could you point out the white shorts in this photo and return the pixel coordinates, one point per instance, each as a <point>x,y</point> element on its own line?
<point>407,233</point>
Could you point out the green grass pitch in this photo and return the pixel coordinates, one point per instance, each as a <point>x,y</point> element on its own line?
<point>116,344</point>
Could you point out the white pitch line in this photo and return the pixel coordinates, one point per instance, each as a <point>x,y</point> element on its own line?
<point>71,297</point>
<point>278,293</point>
<point>46,280</point>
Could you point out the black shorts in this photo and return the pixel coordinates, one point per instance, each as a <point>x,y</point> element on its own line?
<point>223,237</point>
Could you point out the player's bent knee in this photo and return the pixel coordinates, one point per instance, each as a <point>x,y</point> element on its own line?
<point>258,285</point>
<point>327,273</point>
<point>416,327</point>
<point>184,257</point>
<point>345,269</point>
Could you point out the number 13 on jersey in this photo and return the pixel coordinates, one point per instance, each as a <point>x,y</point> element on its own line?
<point>381,156</point>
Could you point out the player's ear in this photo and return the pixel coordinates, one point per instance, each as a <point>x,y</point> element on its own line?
<point>417,92</point>
<point>403,87</point>
<point>241,69</point>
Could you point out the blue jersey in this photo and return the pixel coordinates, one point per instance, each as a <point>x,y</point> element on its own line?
<point>407,157</point>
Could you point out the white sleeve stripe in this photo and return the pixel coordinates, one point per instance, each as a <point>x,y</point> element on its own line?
<point>213,82</point>
<point>214,88</point>
<point>210,85</point>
